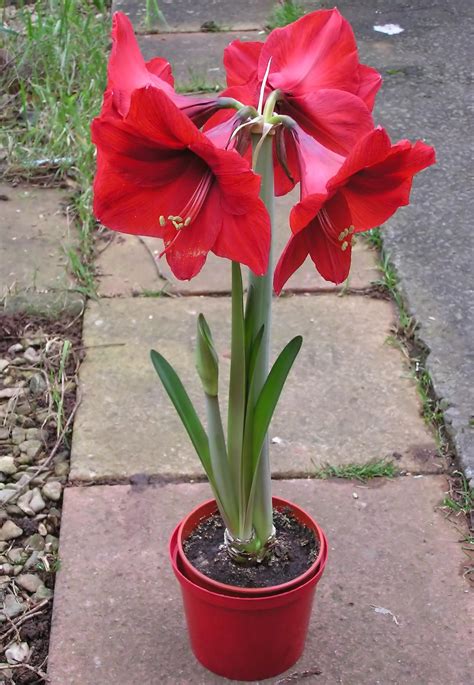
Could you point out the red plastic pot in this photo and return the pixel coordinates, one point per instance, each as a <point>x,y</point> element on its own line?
<point>246,638</point>
<point>203,511</point>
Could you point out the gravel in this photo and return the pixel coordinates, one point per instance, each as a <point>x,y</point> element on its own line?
<point>31,482</point>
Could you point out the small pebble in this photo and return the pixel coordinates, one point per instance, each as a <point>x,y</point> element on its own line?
<point>17,653</point>
<point>29,582</point>
<point>31,447</point>
<point>43,592</point>
<point>37,502</point>
<point>42,530</point>
<point>16,555</point>
<point>36,543</point>
<point>52,490</point>
<point>10,531</point>
<point>16,347</point>
<point>7,465</point>
<point>18,435</point>
<point>3,364</point>
<point>31,355</point>
<point>12,606</point>
<point>4,433</point>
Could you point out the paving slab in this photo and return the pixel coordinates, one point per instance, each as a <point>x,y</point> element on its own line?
<point>349,397</point>
<point>195,58</point>
<point>33,264</point>
<point>192,15</point>
<point>131,265</point>
<point>117,610</point>
<point>428,94</point>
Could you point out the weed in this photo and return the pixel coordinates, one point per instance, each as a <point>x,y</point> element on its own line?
<point>381,468</point>
<point>460,499</point>
<point>154,16</point>
<point>55,80</point>
<point>198,83</point>
<point>286,12</point>
<point>408,341</point>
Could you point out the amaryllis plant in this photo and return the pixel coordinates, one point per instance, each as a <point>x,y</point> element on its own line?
<point>200,173</point>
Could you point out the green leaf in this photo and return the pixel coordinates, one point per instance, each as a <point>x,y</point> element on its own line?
<point>270,394</point>
<point>253,356</point>
<point>185,409</point>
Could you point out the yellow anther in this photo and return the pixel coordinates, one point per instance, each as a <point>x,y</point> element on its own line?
<point>351,229</point>
<point>353,241</point>
<point>177,224</point>
<point>344,245</point>
<point>162,220</point>
<point>342,235</point>
<point>187,221</point>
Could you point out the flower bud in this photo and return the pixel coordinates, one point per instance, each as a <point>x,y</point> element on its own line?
<point>207,363</point>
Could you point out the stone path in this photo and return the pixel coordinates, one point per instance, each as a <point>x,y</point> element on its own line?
<point>36,234</point>
<point>117,614</point>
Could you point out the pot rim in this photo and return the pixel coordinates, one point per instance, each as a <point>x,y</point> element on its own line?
<point>233,590</point>
<point>239,602</point>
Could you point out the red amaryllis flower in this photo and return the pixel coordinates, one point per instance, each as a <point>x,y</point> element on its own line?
<point>369,186</point>
<point>127,71</point>
<point>158,175</point>
<point>314,66</point>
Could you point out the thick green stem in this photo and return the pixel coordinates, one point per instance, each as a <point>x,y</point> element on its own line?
<point>263,286</point>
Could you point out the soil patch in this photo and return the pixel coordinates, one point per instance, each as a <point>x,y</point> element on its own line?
<point>295,550</point>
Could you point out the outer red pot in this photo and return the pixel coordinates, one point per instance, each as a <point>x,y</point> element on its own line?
<point>206,509</point>
<point>246,638</point>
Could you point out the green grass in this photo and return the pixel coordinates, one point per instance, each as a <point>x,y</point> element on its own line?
<point>58,74</point>
<point>461,497</point>
<point>381,468</point>
<point>198,83</point>
<point>285,13</point>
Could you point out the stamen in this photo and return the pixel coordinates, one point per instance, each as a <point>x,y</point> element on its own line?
<point>162,220</point>
<point>262,89</point>
<point>344,245</point>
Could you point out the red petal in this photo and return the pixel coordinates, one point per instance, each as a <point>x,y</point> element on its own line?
<point>188,252</point>
<point>369,150</point>
<point>317,51</point>
<point>377,191</point>
<point>161,67</point>
<point>241,62</point>
<point>335,118</point>
<point>127,70</point>
<point>305,211</point>
<point>317,164</point>
<point>370,83</point>
<point>329,259</point>
<point>292,257</point>
<point>245,238</point>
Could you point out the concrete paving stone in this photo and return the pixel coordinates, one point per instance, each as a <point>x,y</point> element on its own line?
<point>35,235</point>
<point>118,617</point>
<point>195,58</point>
<point>349,397</point>
<point>127,265</point>
<point>191,15</point>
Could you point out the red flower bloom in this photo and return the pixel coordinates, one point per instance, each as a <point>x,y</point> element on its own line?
<point>158,175</point>
<point>128,71</point>
<point>369,186</point>
<point>314,65</point>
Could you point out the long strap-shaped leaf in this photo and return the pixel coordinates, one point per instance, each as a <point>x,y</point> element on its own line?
<point>259,420</point>
<point>185,409</point>
<point>270,394</point>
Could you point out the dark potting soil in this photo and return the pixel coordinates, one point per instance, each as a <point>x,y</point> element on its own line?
<point>295,550</point>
